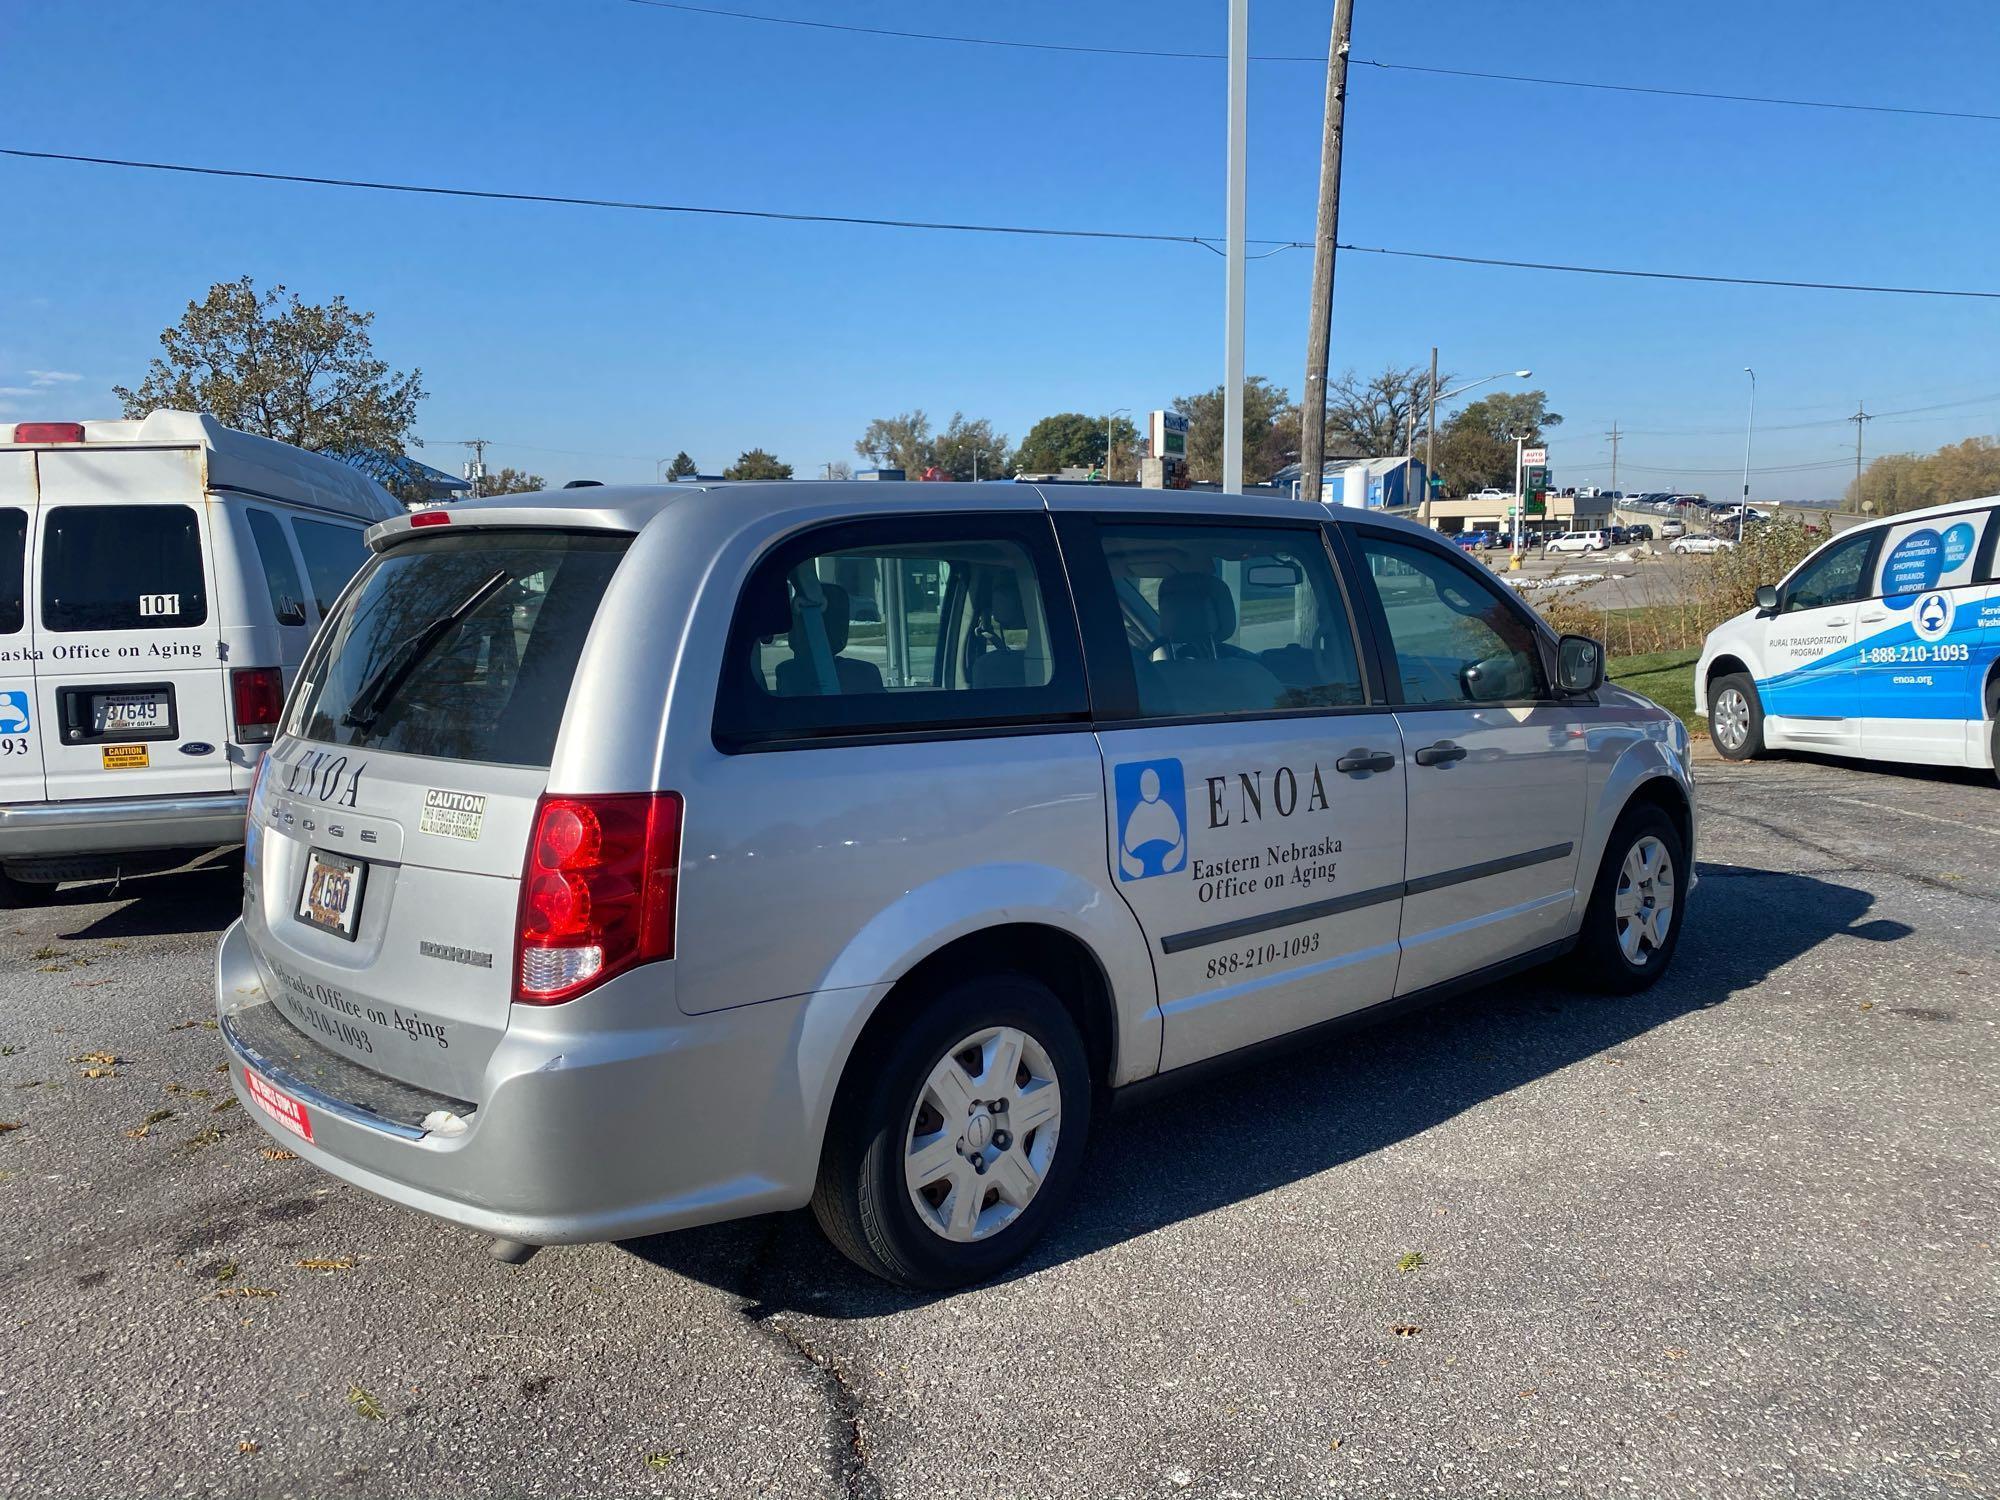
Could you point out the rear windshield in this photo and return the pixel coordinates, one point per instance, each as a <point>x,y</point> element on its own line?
<point>122,567</point>
<point>13,555</point>
<point>459,647</point>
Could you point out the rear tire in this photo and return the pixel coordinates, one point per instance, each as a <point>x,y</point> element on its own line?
<point>922,1182</point>
<point>1736,716</point>
<point>1993,723</point>
<point>1633,922</point>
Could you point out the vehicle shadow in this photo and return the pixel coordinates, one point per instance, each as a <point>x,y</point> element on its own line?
<point>1889,769</point>
<point>201,898</point>
<point>1333,1101</point>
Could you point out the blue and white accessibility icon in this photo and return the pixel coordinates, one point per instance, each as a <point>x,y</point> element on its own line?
<point>1151,798</point>
<point>14,711</point>
<point>1933,617</point>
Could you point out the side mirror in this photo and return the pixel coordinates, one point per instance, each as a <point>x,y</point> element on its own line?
<point>1579,664</point>
<point>1767,597</point>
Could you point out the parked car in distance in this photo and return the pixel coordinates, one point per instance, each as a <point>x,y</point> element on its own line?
<point>1641,531</point>
<point>606,877</point>
<point>160,580</point>
<point>1473,541</point>
<point>1577,541</point>
<point>1701,544</point>
<point>1673,526</point>
<point>1490,493</point>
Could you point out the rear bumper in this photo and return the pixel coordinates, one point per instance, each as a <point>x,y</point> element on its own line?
<point>586,1138</point>
<point>122,825</point>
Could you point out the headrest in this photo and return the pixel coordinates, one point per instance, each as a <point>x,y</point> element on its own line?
<point>834,615</point>
<point>1005,605</point>
<point>1196,607</point>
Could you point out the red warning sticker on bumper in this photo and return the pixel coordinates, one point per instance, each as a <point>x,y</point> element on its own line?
<point>279,1105</point>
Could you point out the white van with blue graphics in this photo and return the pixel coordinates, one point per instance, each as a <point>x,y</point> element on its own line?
<point>1881,644</point>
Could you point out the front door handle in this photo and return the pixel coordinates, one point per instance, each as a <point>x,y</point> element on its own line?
<point>1365,760</point>
<point>1443,753</point>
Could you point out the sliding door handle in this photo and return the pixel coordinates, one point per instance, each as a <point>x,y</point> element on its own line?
<point>1365,760</point>
<point>1443,753</point>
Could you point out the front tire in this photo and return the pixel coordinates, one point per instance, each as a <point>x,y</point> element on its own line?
<point>957,1135</point>
<point>1633,922</point>
<point>1736,717</point>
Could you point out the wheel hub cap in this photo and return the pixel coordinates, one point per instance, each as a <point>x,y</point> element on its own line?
<point>982,1134</point>
<point>1644,905</point>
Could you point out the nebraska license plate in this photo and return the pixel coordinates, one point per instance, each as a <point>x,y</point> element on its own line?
<point>331,896</point>
<point>279,1105</point>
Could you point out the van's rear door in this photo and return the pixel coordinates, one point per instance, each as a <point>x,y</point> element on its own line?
<point>391,826</point>
<point>20,735</point>
<point>130,688</point>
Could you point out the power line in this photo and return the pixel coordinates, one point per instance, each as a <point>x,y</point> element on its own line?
<point>1317,60</point>
<point>1910,412</point>
<point>1206,242</point>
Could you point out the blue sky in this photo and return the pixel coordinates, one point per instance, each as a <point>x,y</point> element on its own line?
<point>590,343</point>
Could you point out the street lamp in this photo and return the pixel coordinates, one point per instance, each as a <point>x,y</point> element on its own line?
<point>1749,431</point>
<point>1123,411</point>
<point>660,470</point>
<point>1430,409</point>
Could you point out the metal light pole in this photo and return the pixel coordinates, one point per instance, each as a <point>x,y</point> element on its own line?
<point>1232,315</point>
<point>1749,431</point>
<point>1520,504</point>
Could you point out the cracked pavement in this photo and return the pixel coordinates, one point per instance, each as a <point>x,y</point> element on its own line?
<point>1735,1236</point>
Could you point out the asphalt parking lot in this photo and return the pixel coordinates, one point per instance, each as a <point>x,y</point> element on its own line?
<point>1736,1236</point>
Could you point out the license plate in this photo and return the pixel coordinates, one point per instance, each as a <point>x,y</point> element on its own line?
<point>279,1105</point>
<point>331,897</point>
<point>126,713</point>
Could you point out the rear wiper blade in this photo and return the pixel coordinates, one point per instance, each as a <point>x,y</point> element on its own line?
<point>386,680</point>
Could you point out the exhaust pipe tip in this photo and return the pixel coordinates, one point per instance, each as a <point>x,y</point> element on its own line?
<point>511,1252</point>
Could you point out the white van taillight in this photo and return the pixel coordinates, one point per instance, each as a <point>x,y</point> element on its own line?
<point>258,695</point>
<point>48,432</point>
<point>597,895</point>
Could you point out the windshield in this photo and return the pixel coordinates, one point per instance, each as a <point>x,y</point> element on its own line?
<point>459,647</point>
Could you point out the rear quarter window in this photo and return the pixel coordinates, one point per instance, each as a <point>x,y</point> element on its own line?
<point>281,574</point>
<point>122,567</point>
<point>459,647</point>
<point>333,555</point>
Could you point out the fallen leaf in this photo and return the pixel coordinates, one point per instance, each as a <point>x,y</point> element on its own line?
<point>99,1073</point>
<point>659,1460</point>
<point>1405,1330</point>
<point>1867,1004</point>
<point>102,1059</point>
<point>344,1263</point>
<point>229,1103</point>
<point>1410,1261</point>
<point>365,1405</point>
<point>278,1153</point>
<point>226,1271</point>
<point>248,1291</point>
<point>1677,1354</point>
<point>7,1125</point>
<point>207,1024</point>
<point>246,1446</point>
<point>1531,1390</point>
<point>1334,1446</point>
<point>205,1138</point>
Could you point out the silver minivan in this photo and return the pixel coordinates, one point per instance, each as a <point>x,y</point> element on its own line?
<point>635,858</point>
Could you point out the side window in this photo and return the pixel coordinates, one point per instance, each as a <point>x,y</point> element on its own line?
<point>923,622</point>
<point>1224,621</point>
<point>122,567</point>
<point>1836,576</point>
<point>333,555</point>
<point>281,574</point>
<point>1923,555</point>
<point>1455,639</point>
<point>13,570</point>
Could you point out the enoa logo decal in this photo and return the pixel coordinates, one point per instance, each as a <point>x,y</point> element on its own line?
<point>1932,617</point>
<point>1152,818</point>
<point>325,777</point>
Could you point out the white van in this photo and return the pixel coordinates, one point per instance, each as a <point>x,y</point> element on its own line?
<point>1885,643</point>
<point>1577,541</point>
<point>159,583</point>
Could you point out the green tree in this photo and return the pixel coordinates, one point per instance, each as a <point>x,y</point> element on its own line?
<point>953,450</point>
<point>512,482</point>
<point>757,464</point>
<point>1264,410</point>
<point>1508,415</point>
<point>1476,446</point>
<point>303,373</point>
<point>1070,439</point>
<point>899,442</point>
<point>682,467</point>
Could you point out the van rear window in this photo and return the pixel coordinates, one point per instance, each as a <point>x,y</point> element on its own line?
<point>13,562</point>
<point>122,567</point>
<point>459,647</point>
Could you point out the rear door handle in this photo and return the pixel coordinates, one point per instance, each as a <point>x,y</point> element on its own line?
<point>1365,760</point>
<point>1443,753</point>
<point>1836,622</point>
<point>1870,619</point>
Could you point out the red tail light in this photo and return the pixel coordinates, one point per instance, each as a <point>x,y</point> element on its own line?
<point>597,895</point>
<point>259,696</point>
<point>48,432</point>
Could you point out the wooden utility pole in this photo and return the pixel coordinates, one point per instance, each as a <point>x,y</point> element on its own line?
<point>1319,333</point>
